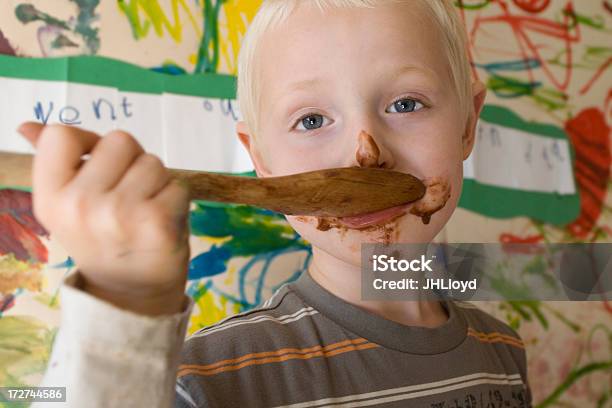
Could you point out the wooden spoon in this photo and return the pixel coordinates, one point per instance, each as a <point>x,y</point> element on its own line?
<point>326,193</point>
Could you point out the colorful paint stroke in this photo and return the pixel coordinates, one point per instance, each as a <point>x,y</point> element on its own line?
<point>22,253</point>
<point>223,23</point>
<point>260,237</point>
<point>25,341</point>
<point>5,46</point>
<point>54,34</point>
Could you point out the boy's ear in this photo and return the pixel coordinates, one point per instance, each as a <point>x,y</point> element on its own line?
<point>244,134</point>
<point>479,91</point>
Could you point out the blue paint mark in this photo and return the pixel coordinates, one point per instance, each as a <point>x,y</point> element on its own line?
<point>210,263</point>
<point>250,276</point>
<point>170,69</point>
<point>68,263</point>
<point>518,65</point>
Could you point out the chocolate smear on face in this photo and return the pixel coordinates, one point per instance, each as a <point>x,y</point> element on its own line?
<point>324,224</point>
<point>437,194</point>
<point>368,152</point>
<point>387,231</point>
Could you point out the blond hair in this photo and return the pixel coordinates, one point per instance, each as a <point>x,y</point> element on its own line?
<point>274,12</point>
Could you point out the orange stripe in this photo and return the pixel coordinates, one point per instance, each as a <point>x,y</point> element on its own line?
<point>494,334</point>
<point>495,337</point>
<point>273,353</point>
<point>322,352</point>
<point>500,340</point>
<point>276,360</point>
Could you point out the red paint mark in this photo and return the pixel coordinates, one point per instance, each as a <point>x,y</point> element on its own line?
<point>507,238</point>
<point>524,25</point>
<point>607,306</point>
<point>19,230</point>
<point>608,104</point>
<point>595,77</point>
<point>513,244</point>
<point>20,241</point>
<point>590,136</point>
<point>607,6</point>
<point>532,6</point>
<point>5,46</point>
<point>6,303</point>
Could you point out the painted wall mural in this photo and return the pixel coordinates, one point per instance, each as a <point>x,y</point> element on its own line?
<point>545,63</point>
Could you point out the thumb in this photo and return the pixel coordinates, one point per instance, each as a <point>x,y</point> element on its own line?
<point>31,131</point>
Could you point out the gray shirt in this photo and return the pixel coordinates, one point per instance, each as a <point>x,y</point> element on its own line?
<point>308,348</point>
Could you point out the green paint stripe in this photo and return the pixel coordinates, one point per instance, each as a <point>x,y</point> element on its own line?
<point>503,116</point>
<point>93,70</point>
<point>21,188</point>
<point>499,202</point>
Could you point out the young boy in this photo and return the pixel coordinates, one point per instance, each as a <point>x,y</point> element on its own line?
<point>321,84</point>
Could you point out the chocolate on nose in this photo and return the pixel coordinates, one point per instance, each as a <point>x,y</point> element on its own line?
<point>368,152</point>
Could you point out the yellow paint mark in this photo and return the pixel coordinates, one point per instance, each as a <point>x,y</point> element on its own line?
<point>215,240</point>
<point>25,345</point>
<point>238,14</point>
<point>231,275</point>
<point>210,310</point>
<point>156,16</point>
<point>16,274</point>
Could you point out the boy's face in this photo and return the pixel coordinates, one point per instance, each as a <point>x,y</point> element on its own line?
<point>362,87</point>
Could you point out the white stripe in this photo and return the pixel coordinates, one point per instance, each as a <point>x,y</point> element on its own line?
<point>424,393</point>
<point>465,305</point>
<point>413,391</point>
<point>258,319</point>
<point>307,311</point>
<point>185,395</point>
<point>269,301</point>
<point>222,321</point>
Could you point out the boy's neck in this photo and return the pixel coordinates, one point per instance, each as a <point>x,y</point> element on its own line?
<point>344,281</point>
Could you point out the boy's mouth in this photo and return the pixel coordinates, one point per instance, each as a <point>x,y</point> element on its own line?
<point>375,218</point>
<point>436,196</point>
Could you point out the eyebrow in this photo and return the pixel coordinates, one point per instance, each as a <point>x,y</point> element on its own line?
<point>428,72</point>
<point>304,84</point>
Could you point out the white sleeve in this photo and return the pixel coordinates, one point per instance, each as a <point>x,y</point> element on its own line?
<point>109,357</point>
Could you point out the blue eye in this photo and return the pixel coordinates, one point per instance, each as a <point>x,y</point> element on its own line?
<point>404,106</point>
<point>311,122</point>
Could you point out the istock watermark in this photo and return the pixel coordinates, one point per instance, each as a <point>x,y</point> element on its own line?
<point>383,263</point>
<point>473,271</point>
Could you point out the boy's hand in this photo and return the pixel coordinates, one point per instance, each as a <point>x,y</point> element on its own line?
<point>119,215</point>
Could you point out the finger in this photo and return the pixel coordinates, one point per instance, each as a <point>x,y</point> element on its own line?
<point>31,131</point>
<point>58,155</point>
<point>144,179</point>
<point>176,197</point>
<point>109,161</point>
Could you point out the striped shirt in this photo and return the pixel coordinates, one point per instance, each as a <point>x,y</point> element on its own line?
<point>306,347</point>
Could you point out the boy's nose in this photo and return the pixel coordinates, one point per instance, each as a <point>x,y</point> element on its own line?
<point>372,154</point>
